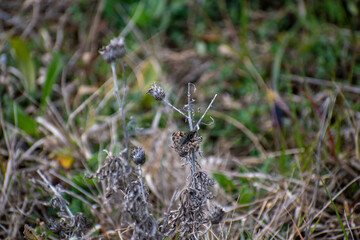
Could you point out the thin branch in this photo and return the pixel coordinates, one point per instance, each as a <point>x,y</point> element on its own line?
<point>176,109</point>
<point>207,109</point>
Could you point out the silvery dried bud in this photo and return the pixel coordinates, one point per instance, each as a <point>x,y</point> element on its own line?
<point>156,92</point>
<point>116,49</point>
<point>138,155</point>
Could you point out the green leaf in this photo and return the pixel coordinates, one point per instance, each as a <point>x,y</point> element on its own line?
<point>249,235</point>
<point>24,62</point>
<point>226,183</point>
<point>23,120</point>
<point>336,211</point>
<point>51,76</point>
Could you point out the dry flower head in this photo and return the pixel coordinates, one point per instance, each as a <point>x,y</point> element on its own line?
<point>184,143</point>
<point>115,50</point>
<point>156,92</point>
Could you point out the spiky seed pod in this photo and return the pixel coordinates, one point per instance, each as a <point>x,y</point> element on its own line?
<point>156,92</point>
<point>138,155</point>
<point>115,50</point>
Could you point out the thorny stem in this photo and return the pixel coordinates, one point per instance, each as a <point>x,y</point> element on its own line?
<point>173,107</point>
<point>207,109</point>
<point>54,191</point>
<point>142,187</point>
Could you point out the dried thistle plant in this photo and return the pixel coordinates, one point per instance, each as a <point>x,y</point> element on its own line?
<point>185,143</point>
<point>117,173</point>
<point>193,217</point>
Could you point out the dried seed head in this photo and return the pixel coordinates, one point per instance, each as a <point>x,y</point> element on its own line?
<point>184,143</point>
<point>116,49</point>
<point>156,92</point>
<point>138,155</point>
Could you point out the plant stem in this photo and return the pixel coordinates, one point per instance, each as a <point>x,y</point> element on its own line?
<point>173,107</point>
<point>121,103</point>
<point>123,113</point>
<point>207,109</point>
<point>116,90</point>
<point>189,108</point>
<point>142,187</point>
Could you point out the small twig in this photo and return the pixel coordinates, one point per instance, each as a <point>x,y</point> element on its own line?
<point>175,108</point>
<point>207,109</point>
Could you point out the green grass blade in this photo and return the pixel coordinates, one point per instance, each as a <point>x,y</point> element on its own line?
<point>248,234</point>
<point>336,211</point>
<point>24,62</point>
<point>23,121</point>
<point>51,76</point>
